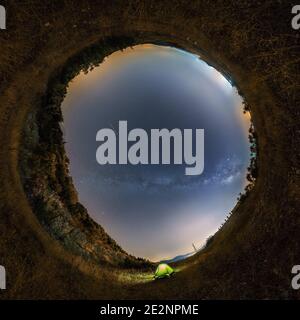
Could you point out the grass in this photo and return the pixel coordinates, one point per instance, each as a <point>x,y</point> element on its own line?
<point>250,41</point>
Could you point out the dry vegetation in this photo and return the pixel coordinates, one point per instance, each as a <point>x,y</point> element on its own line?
<point>253,43</point>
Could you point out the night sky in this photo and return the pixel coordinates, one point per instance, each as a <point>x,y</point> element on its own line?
<point>156,211</point>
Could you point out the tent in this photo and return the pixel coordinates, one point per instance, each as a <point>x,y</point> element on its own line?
<point>163,271</point>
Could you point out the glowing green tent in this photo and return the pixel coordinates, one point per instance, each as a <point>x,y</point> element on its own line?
<point>163,271</point>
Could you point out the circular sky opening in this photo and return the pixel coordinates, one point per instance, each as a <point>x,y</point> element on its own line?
<point>156,211</point>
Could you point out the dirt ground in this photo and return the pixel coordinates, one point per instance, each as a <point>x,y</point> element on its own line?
<point>251,257</point>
